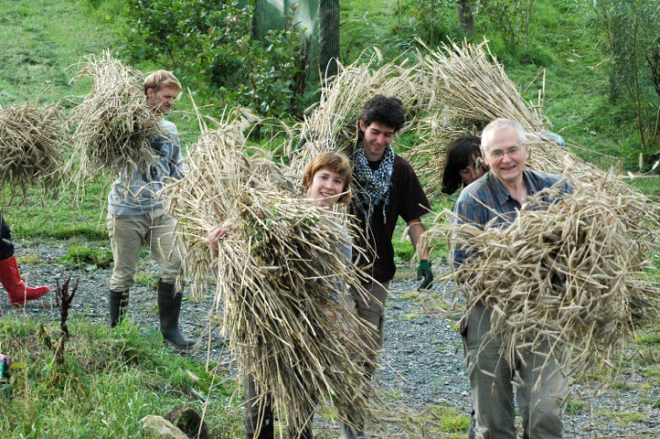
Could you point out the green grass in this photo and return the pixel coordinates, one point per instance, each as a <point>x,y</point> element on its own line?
<point>445,421</point>
<point>649,339</point>
<point>107,382</point>
<point>40,39</point>
<point>366,27</point>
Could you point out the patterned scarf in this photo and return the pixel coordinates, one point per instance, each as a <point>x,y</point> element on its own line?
<point>373,187</point>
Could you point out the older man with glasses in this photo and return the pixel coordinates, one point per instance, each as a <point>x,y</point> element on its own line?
<point>542,387</point>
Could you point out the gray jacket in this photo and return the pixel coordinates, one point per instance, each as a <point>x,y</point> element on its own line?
<point>138,194</point>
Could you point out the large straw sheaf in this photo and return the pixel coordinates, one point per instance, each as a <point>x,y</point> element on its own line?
<point>333,124</point>
<point>114,125</point>
<point>565,273</point>
<point>274,273</point>
<point>471,89</point>
<point>31,147</point>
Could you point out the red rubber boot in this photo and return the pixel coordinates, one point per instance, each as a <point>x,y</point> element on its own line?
<point>19,293</point>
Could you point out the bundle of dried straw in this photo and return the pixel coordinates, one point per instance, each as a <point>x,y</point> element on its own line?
<point>567,273</point>
<point>31,140</point>
<point>114,123</point>
<point>471,89</point>
<point>274,274</point>
<point>333,125</point>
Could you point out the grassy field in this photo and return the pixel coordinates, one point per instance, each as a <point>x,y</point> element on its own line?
<point>43,39</point>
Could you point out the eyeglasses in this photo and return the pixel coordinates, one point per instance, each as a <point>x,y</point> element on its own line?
<point>499,154</point>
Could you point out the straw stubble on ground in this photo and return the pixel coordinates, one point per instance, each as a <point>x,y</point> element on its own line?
<point>422,362</point>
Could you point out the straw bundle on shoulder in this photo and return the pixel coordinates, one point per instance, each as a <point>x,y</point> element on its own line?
<point>275,274</point>
<point>565,273</point>
<point>333,124</point>
<point>31,153</point>
<point>472,89</point>
<point>114,123</point>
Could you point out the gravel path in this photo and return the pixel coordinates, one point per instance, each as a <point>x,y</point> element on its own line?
<point>422,362</point>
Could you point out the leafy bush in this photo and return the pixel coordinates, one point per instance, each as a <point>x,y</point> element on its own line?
<point>90,259</point>
<point>631,30</point>
<point>510,20</point>
<point>430,21</point>
<point>211,48</point>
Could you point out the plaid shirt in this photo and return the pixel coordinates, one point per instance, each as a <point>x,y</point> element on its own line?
<point>487,202</point>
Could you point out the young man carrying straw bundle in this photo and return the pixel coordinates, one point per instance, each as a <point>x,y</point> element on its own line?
<point>494,201</point>
<point>136,216</point>
<point>386,187</point>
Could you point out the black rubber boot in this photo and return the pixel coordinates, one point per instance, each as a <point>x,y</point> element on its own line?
<point>118,304</point>
<point>169,307</point>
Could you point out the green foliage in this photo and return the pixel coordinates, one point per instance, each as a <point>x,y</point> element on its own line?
<point>87,258</point>
<point>114,378</point>
<point>509,20</point>
<point>211,48</point>
<point>449,421</point>
<point>431,21</point>
<point>574,407</point>
<point>631,30</point>
<point>649,339</point>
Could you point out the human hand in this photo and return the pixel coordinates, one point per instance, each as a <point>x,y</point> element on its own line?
<point>215,234</point>
<point>424,272</point>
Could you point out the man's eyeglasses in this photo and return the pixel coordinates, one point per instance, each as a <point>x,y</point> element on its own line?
<point>498,153</point>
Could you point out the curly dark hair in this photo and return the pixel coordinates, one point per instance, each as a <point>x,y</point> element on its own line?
<point>388,111</point>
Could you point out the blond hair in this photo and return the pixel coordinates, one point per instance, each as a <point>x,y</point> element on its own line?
<point>161,79</point>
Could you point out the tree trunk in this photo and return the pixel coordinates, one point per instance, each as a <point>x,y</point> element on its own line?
<point>328,38</point>
<point>466,18</point>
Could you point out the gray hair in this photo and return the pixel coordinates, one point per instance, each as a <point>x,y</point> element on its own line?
<point>501,124</point>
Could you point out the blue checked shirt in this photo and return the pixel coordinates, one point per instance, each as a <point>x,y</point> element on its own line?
<point>486,201</point>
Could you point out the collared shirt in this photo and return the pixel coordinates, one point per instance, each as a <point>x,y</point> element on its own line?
<point>487,203</point>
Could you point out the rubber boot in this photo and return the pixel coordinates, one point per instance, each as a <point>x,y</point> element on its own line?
<point>169,308</point>
<point>118,301</point>
<point>472,432</point>
<point>19,293</point>
<point>258,418</point>
<point>347,432</point>
<point>348,428</point>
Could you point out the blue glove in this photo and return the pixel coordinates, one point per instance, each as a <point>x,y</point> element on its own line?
<point>424,272</point>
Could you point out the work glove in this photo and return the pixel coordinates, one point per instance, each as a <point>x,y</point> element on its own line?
<point>424,272</point>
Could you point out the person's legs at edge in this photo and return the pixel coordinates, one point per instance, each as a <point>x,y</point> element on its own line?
<point>542,396</point>
<point>258,418</point>
<point>490,379</point>
<point>127,234</point>
<point>169,252</point>
<point>371,309</point>
<point>10,277</point>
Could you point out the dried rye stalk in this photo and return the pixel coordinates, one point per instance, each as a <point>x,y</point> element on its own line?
<point>274,274</point>
<point>31,147</point>
<point>567,274</point>
<point>114,125</point>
